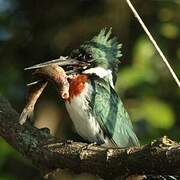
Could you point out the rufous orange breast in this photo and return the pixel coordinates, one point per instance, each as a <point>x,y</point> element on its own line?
<point>77,85</point>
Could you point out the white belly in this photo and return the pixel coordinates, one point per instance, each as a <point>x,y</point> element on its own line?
<point>84,122</point>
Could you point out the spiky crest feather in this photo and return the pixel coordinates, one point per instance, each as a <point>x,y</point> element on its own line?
<point>112,46</point>
<point>103,50</point>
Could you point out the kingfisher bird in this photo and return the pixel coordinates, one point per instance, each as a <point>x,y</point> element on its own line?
<point>93,105</point>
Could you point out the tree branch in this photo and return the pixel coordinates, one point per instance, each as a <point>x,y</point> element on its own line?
<point>48,154</point>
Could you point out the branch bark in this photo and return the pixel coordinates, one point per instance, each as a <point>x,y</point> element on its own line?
<point>47,153</point>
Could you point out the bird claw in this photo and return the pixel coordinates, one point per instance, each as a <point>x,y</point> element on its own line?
<point>88,146</point>
<point>69,141</point>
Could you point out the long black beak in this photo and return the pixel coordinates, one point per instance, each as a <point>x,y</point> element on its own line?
<point>62,61</point>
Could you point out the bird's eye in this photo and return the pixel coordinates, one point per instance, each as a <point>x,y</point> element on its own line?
<point>87,57</point>
<point>82,55</point>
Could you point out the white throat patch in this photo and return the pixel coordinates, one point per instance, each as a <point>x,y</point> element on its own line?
<point>100,72</point>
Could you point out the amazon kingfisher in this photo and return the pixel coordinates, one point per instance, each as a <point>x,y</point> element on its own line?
<point>94,107</point>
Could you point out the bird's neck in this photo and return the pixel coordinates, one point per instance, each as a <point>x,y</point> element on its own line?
<point>77,85</point>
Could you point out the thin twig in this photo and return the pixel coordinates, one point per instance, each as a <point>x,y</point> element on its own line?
<point>153,42</point>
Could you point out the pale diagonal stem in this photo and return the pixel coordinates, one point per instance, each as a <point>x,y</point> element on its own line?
<point>153,42</point>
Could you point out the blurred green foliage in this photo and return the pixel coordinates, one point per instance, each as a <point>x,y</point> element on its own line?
<point>34,31</point>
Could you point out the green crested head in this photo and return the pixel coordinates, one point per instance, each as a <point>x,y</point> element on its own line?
<point>101,51</point>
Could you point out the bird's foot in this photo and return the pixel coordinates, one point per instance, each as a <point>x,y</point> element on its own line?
<point>88,146</point>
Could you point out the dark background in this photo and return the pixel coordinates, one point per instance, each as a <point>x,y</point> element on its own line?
<point>33,31</point>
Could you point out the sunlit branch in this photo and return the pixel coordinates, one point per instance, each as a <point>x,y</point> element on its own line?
<point>48,154</point>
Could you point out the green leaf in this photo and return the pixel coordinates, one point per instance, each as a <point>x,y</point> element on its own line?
<point>157,113</point>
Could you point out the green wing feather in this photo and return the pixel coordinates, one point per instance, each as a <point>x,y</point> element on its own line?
<point>111,115</point>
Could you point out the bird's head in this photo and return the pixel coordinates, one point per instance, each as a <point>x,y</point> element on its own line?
<point>101,54</point>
